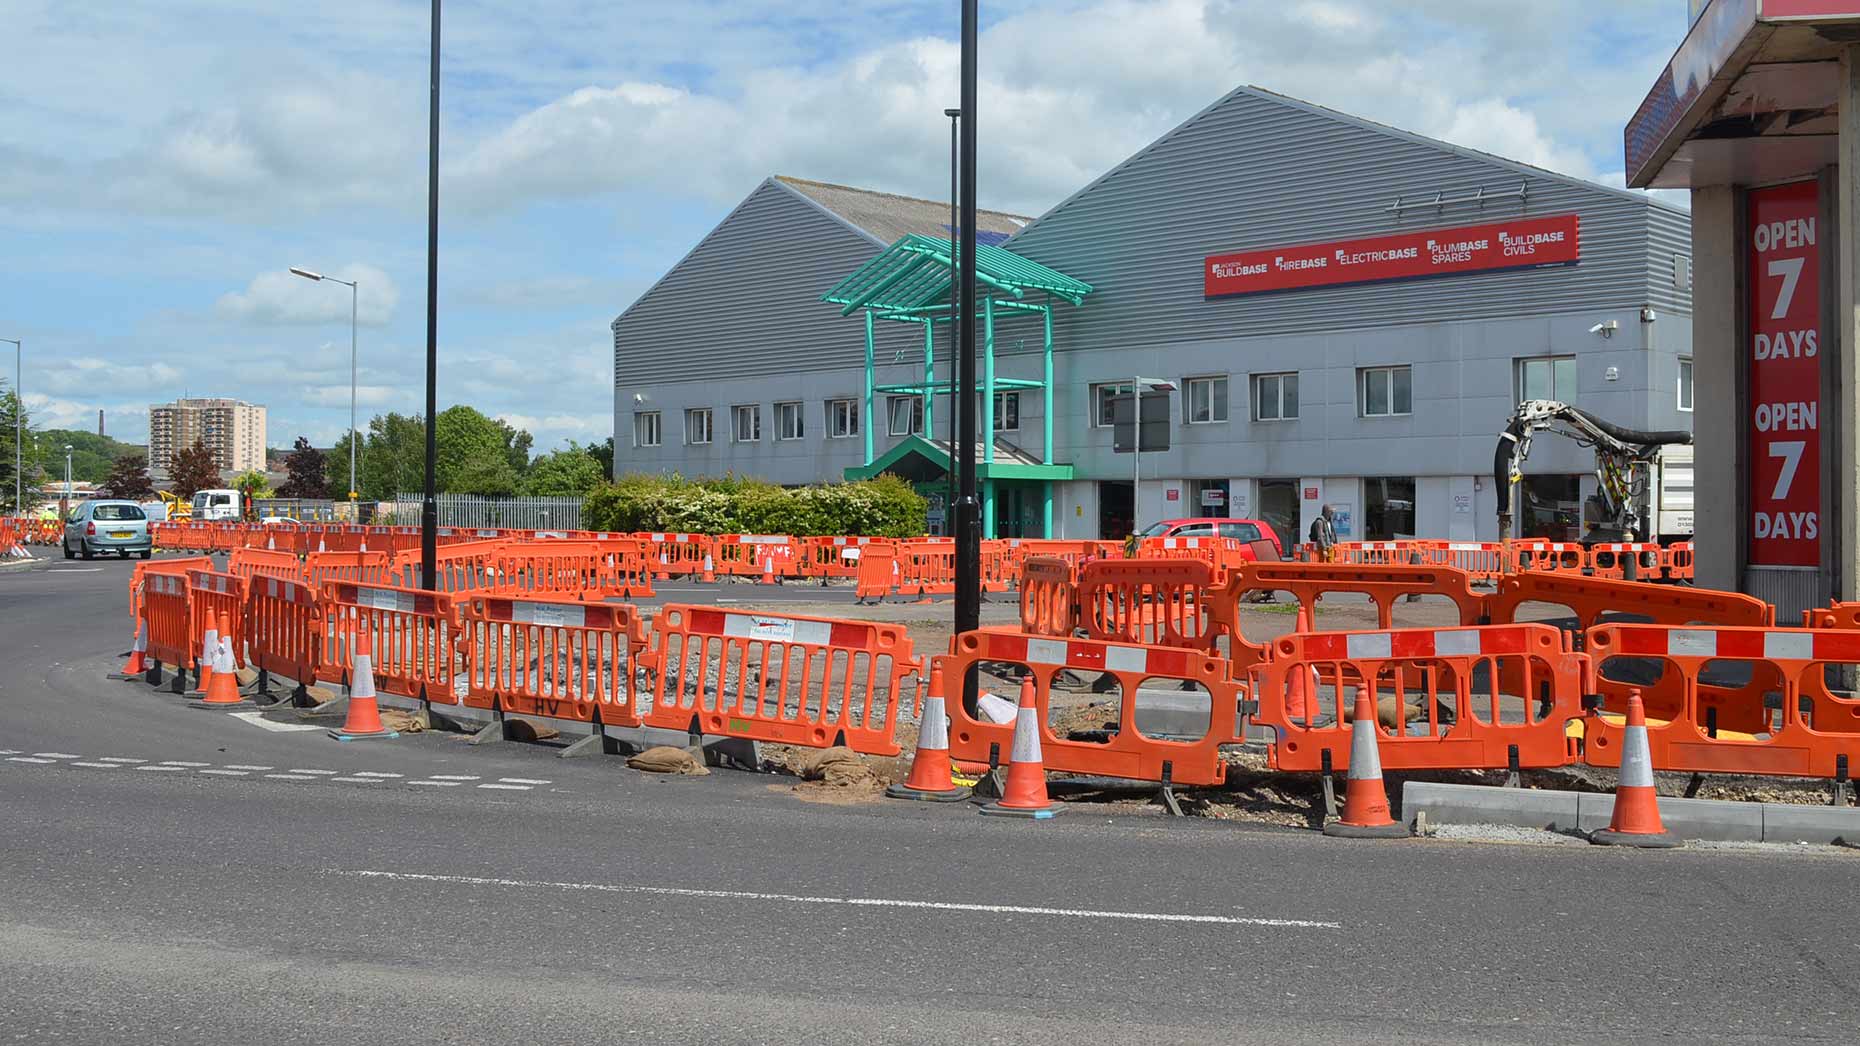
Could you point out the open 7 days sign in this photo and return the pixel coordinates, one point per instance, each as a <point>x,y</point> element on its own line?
<point>1520,243</point>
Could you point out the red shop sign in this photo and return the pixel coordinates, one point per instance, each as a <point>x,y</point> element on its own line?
<point>1784,361</point>
<point>1522,243</point>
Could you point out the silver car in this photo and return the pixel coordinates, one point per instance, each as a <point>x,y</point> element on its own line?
<point>107,526</point>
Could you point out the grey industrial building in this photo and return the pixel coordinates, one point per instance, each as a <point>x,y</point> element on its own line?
<point>1347,314</point>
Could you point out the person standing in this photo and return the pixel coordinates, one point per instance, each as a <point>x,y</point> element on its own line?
<point>1324,534</point>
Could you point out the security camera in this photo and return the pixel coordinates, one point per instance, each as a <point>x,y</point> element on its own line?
<point>1606,328</point>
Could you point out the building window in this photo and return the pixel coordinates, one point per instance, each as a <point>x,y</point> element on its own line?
<point>1547,378</point>
<point>697,426</point>
<point>788,421</point>
<point>906,415</point>
<point>1207,400</point>
<point>1007,412</point>
<point>646,429</point>
<point>1104,403</point>
<point>1388,508</point>
<point>842,418</point>
<point>1384,391</point>
<point>748,419</point>
<point>1685,384</point>
<point>1275,397</point>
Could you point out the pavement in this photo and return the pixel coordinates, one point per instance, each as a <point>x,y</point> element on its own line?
<point>182,876</point>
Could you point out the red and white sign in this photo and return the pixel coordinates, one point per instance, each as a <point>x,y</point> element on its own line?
<point>1784,361</point>
<point>1172,494</point>
<point>1522,243</point>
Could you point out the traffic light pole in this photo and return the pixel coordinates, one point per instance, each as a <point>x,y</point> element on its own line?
<point>968,514</point>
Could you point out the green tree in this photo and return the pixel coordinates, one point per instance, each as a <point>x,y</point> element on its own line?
<point>14,417</point>
<point>488,477</point>
<point>252,484</point>
<point>129,478</point>
<point>194,469</point>
<point>394,457</point>
<point>603,452</point>
<point>565,473</point>
<point>306,467</point>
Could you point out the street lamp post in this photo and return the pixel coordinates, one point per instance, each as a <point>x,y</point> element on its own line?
<point>353,436</point>
<point>67,477</point>
<point>429,506</point>
<point>1137,385</point>
<point>19,435</point>
<point>949,497</point>
<point>968,515</point>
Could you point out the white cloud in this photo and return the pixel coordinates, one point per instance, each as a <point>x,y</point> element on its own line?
<point>338,395</point>
<point>280,298</point>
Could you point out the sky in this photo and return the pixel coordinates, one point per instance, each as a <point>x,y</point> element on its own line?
<point>164,162</point>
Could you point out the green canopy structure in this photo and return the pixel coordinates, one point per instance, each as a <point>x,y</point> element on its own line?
<point>912,282</point>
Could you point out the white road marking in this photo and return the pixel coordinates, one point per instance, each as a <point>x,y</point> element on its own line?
<point>243,766</point>
<point>316,773</point>
<point>73,570</point>
<point>522,781</point>
<point>292,777</point>
<point>359,780</point>
<point>28,759</point>
<point>101,766</point>
<point>119,759</point>
<point>9,751</point>
<point>374,773</point>
<point>438,784</point>
<point>57,755</point>
<point>165,769</point>
<point>258,719</point>
<point>857,902</point>
<point>225,773</point>
<point>508,788</point>
<point>177,762</point>
<point>455,777</point>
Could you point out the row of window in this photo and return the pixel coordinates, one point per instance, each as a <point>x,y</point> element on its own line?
<point>904,417</point>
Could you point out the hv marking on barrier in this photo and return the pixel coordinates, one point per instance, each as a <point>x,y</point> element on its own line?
<point>853,902</point>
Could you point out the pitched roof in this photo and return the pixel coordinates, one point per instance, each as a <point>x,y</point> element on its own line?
<point>886,216</point>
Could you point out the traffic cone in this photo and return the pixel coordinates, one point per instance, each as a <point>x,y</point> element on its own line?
<point>137,663</point>
<point>930,777</point>
<point>363,720</point>
<point>710,570</point>
<point>319,544</point>
<point>768,570</point>
<point>1636,821</point>
<point>1365,800</point>
<point>209,652</point>
<point>1025,793</point>
<point>271,544</point>
<point>223,688</point>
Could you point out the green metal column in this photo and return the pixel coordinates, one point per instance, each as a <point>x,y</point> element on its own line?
<point>1046,420</point>
<point>1046,490</point>
<point>988,509</point>
<point>988,390</point>
<point>929,377</point>
<point>871,377</point>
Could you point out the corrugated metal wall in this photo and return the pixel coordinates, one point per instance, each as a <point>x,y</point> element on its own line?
<point>1256,170</point>
<point>746,300</point>
<point>1669,237</point>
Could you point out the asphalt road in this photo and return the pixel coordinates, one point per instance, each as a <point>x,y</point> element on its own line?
<point>178,876</point>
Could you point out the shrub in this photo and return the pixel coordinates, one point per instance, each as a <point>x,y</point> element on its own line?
<point>883,507</point>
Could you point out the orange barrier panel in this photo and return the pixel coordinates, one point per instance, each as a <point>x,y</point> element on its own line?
<point>369,568</point>
<point>878,574</point>
<point>1220,554</point>
<point>171,637</point>
<point>1591,598</point>
<point>1561,557</point>
<point>752,555</point>
<point>1308,583</point>
<point>210,595</point>
<point>808,681</point>
<point>926,569</point>
<point>463,566</point>
<point>1676,561</point>
<point>825,557</point>
<point>1148,602</point>
<point>1610,559</point>
<point>587,570</point>
<point>1481,560</point>
<point>1490,697</point>
<point>257,562</point>
<point>1807,729</point>
<point>284,629</point>
<point>1124,751</point>
<point>675,555</point>
<point>1048,599</point>
<point>413,634</point>
<point>555,658</point>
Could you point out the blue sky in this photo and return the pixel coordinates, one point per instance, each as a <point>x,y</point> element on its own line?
<point>163,162</point>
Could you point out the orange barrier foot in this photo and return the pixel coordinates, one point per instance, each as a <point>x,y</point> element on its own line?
<point>1636,820</point>
<point>363,721</point>
<point>1025,793</point>
<point>931,779</point>
<point>1365,799</point>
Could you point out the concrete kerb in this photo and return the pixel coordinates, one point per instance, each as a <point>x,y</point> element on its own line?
<point>1710,820</point>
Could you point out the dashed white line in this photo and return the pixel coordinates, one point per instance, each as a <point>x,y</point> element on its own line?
<point>165,769</point>
<point>292,777</point>
<point>438,784</point>
<point>856,902</point>
<point>177,762</point>
<point>455,777</point>
<point>374,773</point>
<point>9,751</point>
<point>28,759</point>
<point>522,781</point>
<point>57,755</point>
<point>244,766</point>
<point>101,766</point>
<point>225,773</point>
<point>119,759</point>
<point>316,773</point>
<point>358,780</point>
<point>508,788</point>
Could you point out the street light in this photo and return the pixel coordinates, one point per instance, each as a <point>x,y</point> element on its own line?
<point>19,421</point>
<point>949,497</point>
<point>67,477</point>
<point>353,293</point>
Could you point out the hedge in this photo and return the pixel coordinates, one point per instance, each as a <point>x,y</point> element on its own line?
<point>882,507</point>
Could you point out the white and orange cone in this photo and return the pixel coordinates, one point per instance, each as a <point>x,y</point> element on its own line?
<point>223,688</point>
<point>768,570</point>
<point>137,664</point>
<point>1636,820</point>
<point>209,652</point>
<point>363,720</point>
<point>1025,792</point>
<point>320,547</point>
<point>710,570</point>
<point>930,778</point>
<point>1365,798</point>
<point>1300,696</point>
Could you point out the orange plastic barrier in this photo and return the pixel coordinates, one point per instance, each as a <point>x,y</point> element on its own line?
<point>171,637</point>
<point>825,557</point>
<point>1220,554</point>
<point>676,555</point>
<point>1481,560</point>
<point>413,634</point>
<point>210,595</point>
<point>1814,733</point>
<point>1490,697</point>
<point>1125,751</point>
<point>463,566</point>
<point>587,570</point>
<point>1048,598</point>
<point>808,681</point>
<point>1308,583</point>
<point>1610,559</point>
<point>926,569</point>
<point>284,629</point>
<point>753,555</point>
<point>369,568</point>
<point>1151,602</point>
<point>1676,561</point>
<point>249,563</point>
<point>1591,598</point>
<point>549,657</point>
<point>1562,557</point>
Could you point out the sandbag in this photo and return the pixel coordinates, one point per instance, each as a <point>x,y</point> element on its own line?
<point>665,759</point>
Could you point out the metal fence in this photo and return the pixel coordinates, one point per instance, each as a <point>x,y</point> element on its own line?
<point>470,510</point>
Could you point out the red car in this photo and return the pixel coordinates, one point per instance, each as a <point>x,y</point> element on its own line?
<point>1245,530</point>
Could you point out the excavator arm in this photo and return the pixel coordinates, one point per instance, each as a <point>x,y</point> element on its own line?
<point>1623,457</point>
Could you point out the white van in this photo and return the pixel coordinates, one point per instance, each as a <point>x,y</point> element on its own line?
<point>216,504</point>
